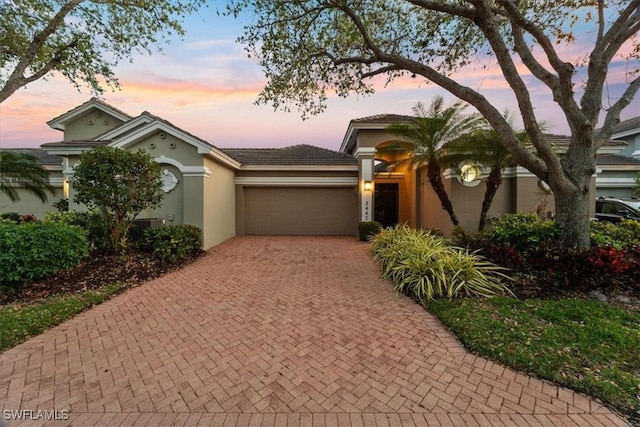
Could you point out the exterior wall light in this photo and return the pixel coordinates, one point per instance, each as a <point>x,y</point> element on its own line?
<point>367,186</point>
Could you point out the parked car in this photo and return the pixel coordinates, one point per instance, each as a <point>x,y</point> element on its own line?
<point>615,210</point>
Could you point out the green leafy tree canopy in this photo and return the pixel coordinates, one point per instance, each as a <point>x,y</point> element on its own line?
<point>310,48</point>
<point>81,39</point>
<point>120,184</point>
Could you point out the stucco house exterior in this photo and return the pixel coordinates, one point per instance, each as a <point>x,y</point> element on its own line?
<point>617,171</point>
<point>297,190</point>
<point>293,190</point>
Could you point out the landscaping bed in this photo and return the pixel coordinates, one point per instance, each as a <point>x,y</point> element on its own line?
<point>567,316</point>
<point>36,307</point>
<point>96,272</point>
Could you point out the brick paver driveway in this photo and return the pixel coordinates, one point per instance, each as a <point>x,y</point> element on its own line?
<point>280,331</point>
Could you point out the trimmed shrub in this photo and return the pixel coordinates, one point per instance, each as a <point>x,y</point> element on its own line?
<point>91,222</point>
<point>368,229</point>
<point>33,250</point>
<point>10,216</point>
<point>172,242</point>
<point>524,232</point>
<point>623,234</point>
<point>426,266</point>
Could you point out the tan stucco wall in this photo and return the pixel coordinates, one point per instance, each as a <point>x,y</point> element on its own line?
<point>467,203</point>
<point>296,174</point>
<point>431,211</point>
<point>170,147</point>
<point>172,208</point>
<point>30,204</point>
<point>89,125</point>
<point>219,221</point>
<point>529,197</point>
<point>373,138</point>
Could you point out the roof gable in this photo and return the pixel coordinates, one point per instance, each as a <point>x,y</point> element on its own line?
<point>94,103</point>
<point>127,127</point>
<point>627,127</point>
<point>159,125</point>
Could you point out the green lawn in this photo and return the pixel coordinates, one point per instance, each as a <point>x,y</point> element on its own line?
<point>20,322</point>
<point>582,344</point>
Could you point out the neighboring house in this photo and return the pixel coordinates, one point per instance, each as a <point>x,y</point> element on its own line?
<point>298,190</point>
<point>29,203</point>
<point>294,190</point>
<point>617,171</point>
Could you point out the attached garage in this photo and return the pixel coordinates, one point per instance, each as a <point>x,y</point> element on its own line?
<point>300,210</point>
<point>298,190</point>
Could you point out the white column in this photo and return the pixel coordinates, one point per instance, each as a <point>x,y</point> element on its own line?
<point>366,159</point>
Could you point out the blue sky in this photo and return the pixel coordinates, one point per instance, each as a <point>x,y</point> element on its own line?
<point>206,85</point>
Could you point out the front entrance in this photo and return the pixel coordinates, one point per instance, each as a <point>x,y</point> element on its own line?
<point>386,204</point>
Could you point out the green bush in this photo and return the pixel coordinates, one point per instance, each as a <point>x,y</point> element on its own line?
<point>625,233</point>
<point>426,266</point>
<point>524,232</point>
<point>172,242</point>
<point>90,221</point>
<point>30,251</point>
<point>10,216</point>
<point>368,229</point>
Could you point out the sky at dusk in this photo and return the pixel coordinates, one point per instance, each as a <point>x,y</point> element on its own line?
<point>206,85</point>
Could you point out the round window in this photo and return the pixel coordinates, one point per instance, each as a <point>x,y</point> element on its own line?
<point>469,172</point>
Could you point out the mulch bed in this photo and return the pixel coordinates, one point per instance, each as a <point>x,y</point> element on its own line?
<point>621,294</point>
<point>98,271</point>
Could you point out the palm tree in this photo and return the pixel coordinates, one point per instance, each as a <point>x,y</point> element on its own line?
<point>484,147</point>
<point>21,170</point>
<point>423,138</point>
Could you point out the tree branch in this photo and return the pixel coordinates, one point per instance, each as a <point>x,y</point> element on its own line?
<point>611,41</point>
<point>485,22</point>
<point>381,70</point>
<point>36,44</point>
<point>613,114</point>
<point>440,6</point>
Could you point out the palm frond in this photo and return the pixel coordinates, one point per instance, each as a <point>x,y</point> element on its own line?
<point>21,170</point>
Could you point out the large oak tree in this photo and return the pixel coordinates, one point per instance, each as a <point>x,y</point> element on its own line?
<point>308,48</point>
<point>83,40</point>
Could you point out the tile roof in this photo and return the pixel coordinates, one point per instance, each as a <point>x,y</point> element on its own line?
<point>614,159</point>
<point>384,118</point>
<point>627,125</point>
<point>74,143</point>
<point>302,154</point>
<point>42,156</point>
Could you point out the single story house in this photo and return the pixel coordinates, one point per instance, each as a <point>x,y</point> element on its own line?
<point>297,190</point>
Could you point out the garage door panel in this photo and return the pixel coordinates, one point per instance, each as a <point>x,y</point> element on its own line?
<point>300,210</point>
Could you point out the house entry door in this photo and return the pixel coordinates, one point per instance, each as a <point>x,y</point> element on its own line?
<point>386,204</point>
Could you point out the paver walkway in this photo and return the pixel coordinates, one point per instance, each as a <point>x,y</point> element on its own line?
<point>275,331</point>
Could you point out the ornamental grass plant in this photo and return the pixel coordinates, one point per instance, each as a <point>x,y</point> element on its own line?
<point>425,266</point>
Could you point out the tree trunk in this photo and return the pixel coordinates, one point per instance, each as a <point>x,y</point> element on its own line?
<point>573,198</point>
<point>572,215</point>
<point>494,180</point>
<point>434,173</point>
